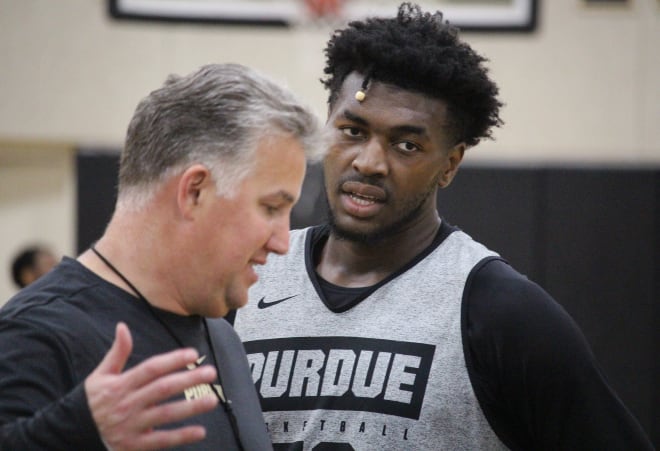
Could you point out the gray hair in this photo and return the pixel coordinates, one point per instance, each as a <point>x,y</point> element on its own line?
<point>215,116</point>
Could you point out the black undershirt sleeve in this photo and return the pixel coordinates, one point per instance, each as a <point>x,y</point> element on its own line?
<point>533,371</point>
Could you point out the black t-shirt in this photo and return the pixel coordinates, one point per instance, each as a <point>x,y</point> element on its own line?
<point>57,330</point>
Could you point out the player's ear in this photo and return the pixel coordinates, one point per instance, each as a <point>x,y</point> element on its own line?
<point>454,158</point>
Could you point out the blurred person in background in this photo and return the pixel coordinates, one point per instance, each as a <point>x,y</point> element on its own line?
<point>31,263</point>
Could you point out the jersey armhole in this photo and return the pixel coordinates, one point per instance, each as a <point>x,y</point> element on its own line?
<point>479,381</point>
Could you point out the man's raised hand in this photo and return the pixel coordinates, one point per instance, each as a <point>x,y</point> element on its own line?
<point>127,406</point>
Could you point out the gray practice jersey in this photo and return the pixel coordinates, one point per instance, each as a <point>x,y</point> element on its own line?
<point>387,374</point>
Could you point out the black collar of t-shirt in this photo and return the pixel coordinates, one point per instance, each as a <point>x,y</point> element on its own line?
<point>340,299</point>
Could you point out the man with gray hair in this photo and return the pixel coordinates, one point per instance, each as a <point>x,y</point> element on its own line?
<point>125,347</point>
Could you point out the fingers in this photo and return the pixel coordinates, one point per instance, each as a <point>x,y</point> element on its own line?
<point>116,358</point>
<point>166,387</point>
<point>172,412</point>
<point>149,370</point>
<point>128,405</point>
<point>140,433</point>
<point>158,366</point>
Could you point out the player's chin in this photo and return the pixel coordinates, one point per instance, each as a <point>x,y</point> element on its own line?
<point>356,231</point>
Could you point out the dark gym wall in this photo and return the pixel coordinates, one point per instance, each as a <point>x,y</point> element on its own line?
<point>589,236</point>
<point>96,172</point>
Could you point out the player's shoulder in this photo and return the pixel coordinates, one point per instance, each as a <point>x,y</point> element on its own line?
<point>499,297</point>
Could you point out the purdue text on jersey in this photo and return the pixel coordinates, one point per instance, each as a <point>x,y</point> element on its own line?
<point>384,376</point>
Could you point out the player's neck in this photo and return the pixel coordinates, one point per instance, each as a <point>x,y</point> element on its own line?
<point>356,264</point>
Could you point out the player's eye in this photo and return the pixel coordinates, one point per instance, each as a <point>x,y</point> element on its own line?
<point>406,146</point>
<point>352,132</point>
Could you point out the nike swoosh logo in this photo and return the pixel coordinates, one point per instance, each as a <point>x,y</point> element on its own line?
<point>263,304</point>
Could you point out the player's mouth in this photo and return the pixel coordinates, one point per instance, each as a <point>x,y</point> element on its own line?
<point>362,200</point>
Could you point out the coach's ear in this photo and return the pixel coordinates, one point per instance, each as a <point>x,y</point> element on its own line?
<point>453,161</point>
<point>195,186</point>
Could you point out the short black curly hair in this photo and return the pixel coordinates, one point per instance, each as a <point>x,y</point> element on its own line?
<point>419,52</point>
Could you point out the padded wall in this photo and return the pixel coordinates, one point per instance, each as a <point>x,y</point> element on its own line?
<point>97,191</point>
